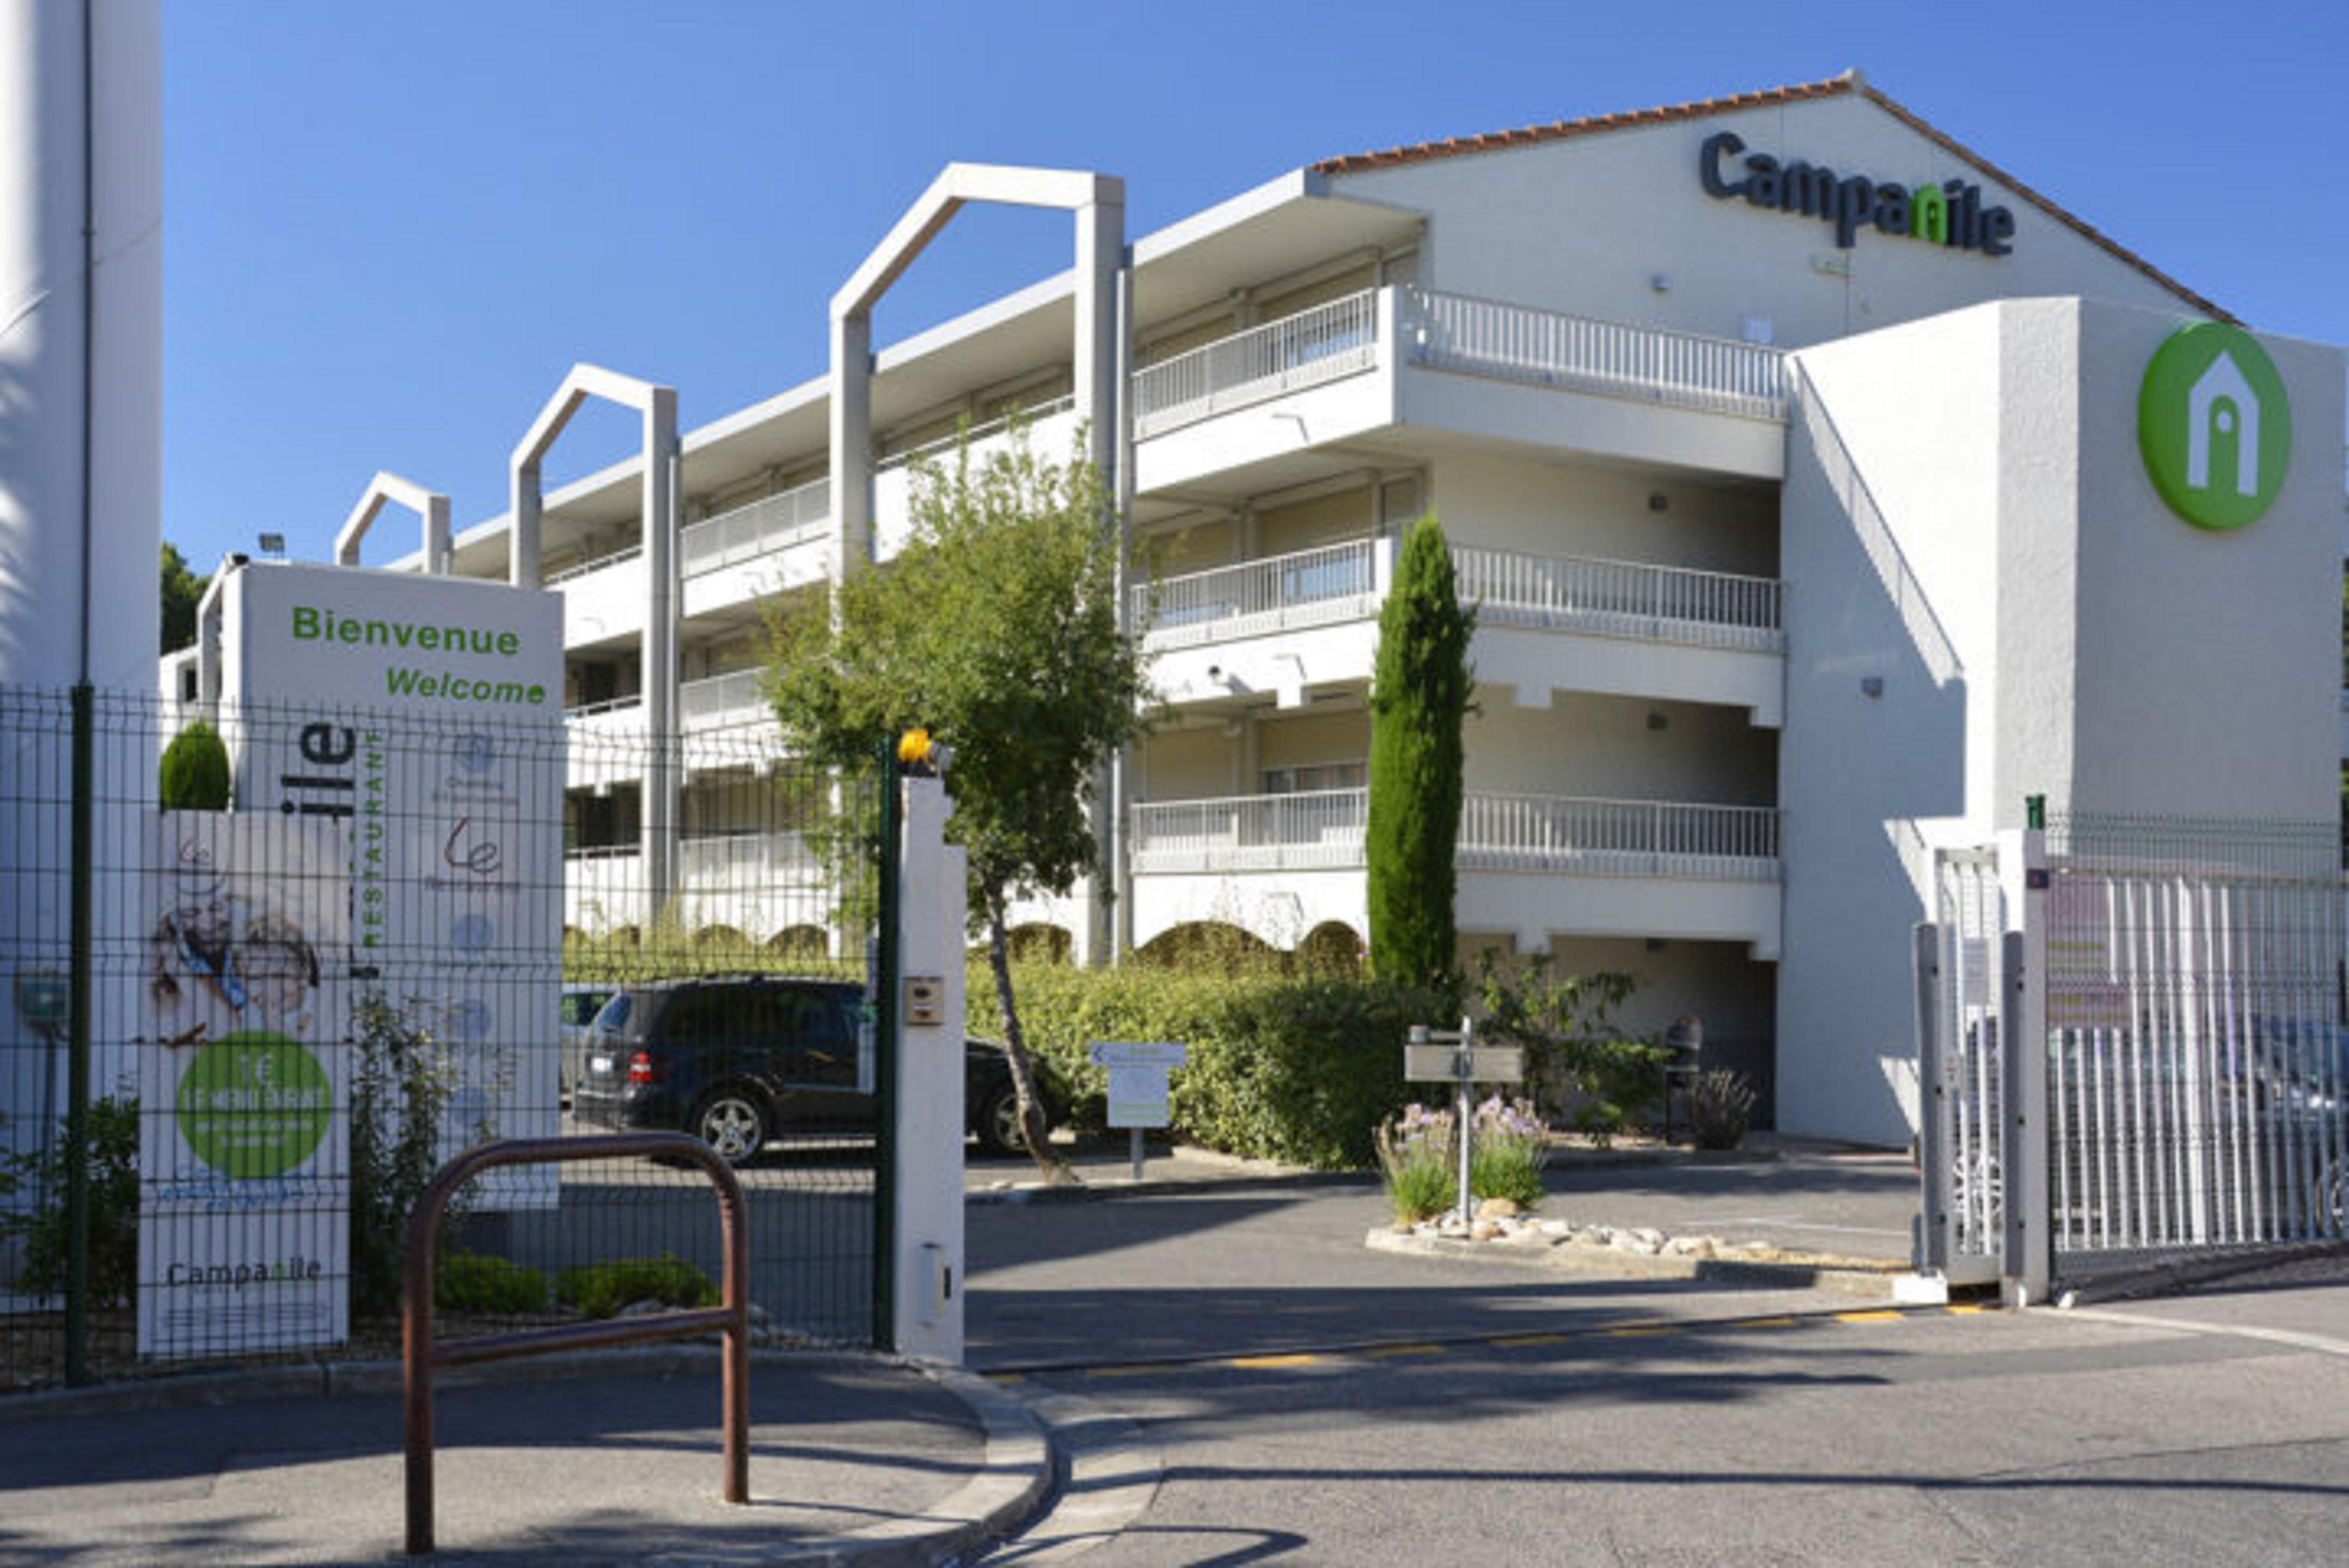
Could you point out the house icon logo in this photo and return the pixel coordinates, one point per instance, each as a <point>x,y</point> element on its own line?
<point>2214,426</point>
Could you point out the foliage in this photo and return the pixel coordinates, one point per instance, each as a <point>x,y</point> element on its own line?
<point>489,1287</point>
<point>400,1083</point>
<point>1721,1108</point>
<point>183,591</point>
<point>1420,695</point>
<point>195,776</point>
<point>1508,1144</point>
<point>44,1227</point>
<point>1298,1067</point>
<point>607,1289</point>
<point>1418,1158</point>
<point>1578,1063</point>
<point>995,627</point>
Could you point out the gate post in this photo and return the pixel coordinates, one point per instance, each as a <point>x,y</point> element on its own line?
<point>927,1111</point>
<point>1932,1248</point>
<point>2029,1266</point>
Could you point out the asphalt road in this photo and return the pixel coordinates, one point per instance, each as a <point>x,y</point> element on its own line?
<point>1249,1385</point>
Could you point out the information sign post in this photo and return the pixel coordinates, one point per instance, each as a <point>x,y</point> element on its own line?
<point>1440,1055</point>
<point>1138,1084</point>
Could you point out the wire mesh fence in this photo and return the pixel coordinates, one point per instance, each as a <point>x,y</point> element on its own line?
<point>239,1041</point>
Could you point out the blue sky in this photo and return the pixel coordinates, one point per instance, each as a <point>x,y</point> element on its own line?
<point>389,229</point>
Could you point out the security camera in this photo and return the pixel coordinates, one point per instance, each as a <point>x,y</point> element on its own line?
<point>1215,672</point>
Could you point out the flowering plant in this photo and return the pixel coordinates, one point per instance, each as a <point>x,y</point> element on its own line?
<point>1508,1145</point>
<point>1416,1155</point>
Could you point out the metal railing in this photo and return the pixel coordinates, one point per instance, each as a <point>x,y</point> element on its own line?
<point>1596,837</point>
<point>608,705</point>
<point>770,523</point>
<point>716,701</point>
<point>1321,829</point>
<point>594,563</point>
<point>421,1355</point>
<point>1313,346</point>
<point>1308,588</point>
<point>1623,598</point>
<point>1552,349</point>
<point>747,860</point>
<point>1583,837</point>
<point>939,446</point>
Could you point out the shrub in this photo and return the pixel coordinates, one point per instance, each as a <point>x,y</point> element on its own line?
<point>1721,1108</point>
<point>45,1226</point>
<point>603,1290</point>
<point>489,1287</point>
<point>1416,1156</point>
<point>400,1082</point>
<point>1578,1063</point>
<point>1508,1144</point>
<point>1282,1067</point>
<point>194,771</point>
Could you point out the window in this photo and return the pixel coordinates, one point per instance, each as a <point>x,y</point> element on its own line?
<point>1308,777</point>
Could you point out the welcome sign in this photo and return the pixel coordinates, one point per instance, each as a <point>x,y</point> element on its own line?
<point>424,714</point>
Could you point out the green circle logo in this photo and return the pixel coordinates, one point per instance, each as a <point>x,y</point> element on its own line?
<point>2214,426</point>
<point>255,1104</point>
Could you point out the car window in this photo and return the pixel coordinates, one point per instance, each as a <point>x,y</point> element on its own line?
<point>613,1018</point>
<point>581,1006</point>
<point>821,1046</point>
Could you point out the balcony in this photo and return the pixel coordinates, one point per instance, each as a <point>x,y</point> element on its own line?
<point>604,889</point>
<point>1545,622</point>
<point>761,884</point>
<point>775,543</point>
<point>1532,865</point>
<point>1562,834</point>
<point>1052,429</point>
<point>1396,357</point>
<point>722,702</point>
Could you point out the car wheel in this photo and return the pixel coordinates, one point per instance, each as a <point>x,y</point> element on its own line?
<point>734,1123</point>
<point>998,1123</point>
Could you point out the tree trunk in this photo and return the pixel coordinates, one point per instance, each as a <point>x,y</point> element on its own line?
<point>1033,1126</point>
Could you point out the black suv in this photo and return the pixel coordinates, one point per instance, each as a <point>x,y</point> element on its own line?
<point>740,1060</point>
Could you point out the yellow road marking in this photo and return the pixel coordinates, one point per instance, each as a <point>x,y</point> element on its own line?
<point>1253,1363</point>
<point>1632,1328</point>
<point>1391,1350</point>
<point>1883,1316</point>
<point>1767,1323</point>
<point>1525,1341</point>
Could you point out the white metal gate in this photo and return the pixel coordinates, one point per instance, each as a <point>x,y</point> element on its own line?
<point>2187,1092</point>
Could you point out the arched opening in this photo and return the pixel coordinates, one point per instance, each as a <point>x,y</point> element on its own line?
<point>1205,945</point>
<point>1041,942</point>
<point>1332,947</point>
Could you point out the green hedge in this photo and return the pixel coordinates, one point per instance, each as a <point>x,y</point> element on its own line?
<point>1296,1069</point>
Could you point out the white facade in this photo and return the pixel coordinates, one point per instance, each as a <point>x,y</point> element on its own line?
<point>1794,558</point>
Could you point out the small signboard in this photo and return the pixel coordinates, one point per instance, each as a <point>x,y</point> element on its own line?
<point>1137,1079</point>
<point>1485,1064</point>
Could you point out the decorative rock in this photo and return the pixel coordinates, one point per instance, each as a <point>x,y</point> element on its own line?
<point>1498,1208</point>
<point>1484,1231</point>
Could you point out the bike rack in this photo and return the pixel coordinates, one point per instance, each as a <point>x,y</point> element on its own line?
<point>420,1356</point>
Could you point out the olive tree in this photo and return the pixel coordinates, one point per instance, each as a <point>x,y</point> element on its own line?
<point>1420,695</point>
<point>996,628</point>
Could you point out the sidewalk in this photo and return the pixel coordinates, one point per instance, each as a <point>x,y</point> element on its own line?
<point>853,1459</point>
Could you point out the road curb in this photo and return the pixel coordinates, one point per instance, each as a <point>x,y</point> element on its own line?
<point>1845,1276</point>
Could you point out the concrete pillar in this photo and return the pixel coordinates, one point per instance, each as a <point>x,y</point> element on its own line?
<point>927,1141</point>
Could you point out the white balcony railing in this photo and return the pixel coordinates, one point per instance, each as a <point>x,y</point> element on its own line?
<point>1322,343</point>
<point>1309,588</point>
<point>721,701</point>
<point>1550,348</point>
<point>1321,830</point>
<point>1617,838</point>
<point>743,861</point>
<point>770,523</point>
<point>1340,582</point>
<point>579,569</point>
<point>941,447</point>
<point>1581,837</point>
<point>1622,598</point>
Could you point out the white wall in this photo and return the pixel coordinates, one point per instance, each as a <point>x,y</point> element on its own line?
<point>1587,225</point>
<point>2100,650</point>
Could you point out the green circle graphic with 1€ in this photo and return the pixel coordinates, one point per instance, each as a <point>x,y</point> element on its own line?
<point>255,1104</point>
<point>2214,426</point>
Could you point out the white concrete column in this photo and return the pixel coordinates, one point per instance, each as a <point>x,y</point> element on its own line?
<point>658,650</point>
<point>927,1136</point>
<point>852,438</point>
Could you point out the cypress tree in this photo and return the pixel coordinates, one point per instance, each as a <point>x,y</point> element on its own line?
<point>1419,697</point>
<point>194,768</point>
